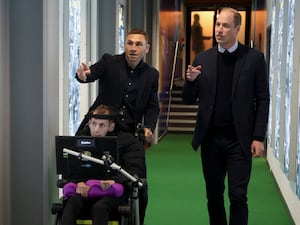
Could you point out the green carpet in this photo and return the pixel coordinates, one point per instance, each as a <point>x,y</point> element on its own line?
<point>177,190</point>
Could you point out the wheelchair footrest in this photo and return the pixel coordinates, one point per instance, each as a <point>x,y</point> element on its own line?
<point>124,209</point>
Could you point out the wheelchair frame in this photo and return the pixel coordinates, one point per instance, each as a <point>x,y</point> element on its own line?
<point>129,215</point>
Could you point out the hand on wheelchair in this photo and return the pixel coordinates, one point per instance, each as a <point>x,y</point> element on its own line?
<point>148,135</point>
<point>144,133</point>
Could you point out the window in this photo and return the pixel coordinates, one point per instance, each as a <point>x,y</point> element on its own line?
<point>120,27</point>
<point>74,34</point>
<point>78,41</point>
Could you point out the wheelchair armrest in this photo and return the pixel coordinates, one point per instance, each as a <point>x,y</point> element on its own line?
<point>131,184</point>
<point>124,209</point>
<point>56,208</point>
<point>61,183</point>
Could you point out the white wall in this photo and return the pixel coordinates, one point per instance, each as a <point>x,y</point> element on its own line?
<point>4,115</point>
<point>285,181</point>
<point>29,118</point>
<point>51,70</point>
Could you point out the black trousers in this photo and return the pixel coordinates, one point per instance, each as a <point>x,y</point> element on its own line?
<point>143,202</point>
<point>99,210</point>
<point>222,155</point>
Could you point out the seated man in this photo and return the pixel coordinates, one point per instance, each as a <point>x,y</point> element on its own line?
<point>131,158</point>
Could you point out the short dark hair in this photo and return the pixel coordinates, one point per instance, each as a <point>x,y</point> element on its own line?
<point>102,112</point>
<point>236,15</point>
<point>139,31</point>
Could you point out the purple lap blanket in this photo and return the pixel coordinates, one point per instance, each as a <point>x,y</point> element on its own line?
<point>95,190</point>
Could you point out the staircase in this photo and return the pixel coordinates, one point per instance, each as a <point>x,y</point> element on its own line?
<point>182,117</point>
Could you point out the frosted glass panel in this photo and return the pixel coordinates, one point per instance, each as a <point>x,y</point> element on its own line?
<point>121,28</point>
<point>74,60</point>
<point>291,28</point>
<point>278,79</point>
<point>271,72</point>
<point>288,88</point>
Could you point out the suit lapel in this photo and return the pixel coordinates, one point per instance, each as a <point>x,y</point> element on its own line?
<point>240,61</point>
<point>142,84</point>
<point>123,76</point>
<point>214,73</point>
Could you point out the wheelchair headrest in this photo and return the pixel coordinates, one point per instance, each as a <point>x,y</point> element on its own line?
<point>101,116</point>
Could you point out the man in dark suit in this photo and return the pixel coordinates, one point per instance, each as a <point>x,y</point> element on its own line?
<point>230,81</point>
<point>126,83</point>
<point>130,86</point>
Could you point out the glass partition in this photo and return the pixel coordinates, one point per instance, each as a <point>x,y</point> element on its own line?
<point>278,79</point>
<point>74,61</point>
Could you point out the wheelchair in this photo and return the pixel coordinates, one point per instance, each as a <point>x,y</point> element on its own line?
<point>122,216</point>
<point>127,212</point>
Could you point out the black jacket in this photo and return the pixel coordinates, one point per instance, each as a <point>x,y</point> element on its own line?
<point>112,75</point>
<point>249,99</point>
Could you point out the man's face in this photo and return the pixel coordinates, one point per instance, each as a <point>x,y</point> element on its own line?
<point>100,127</point>
<point>136,48</point>
<point>225,30</point>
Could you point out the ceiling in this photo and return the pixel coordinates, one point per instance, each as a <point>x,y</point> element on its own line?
<point>259,4</point>
<point>174,5</point>
<point>214,2</point>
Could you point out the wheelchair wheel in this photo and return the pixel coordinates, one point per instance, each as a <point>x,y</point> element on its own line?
<point>58,220</point>
<point>56,210</point>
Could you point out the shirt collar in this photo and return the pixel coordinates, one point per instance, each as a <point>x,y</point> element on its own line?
<point>230,50</point>
<point>139,66</point>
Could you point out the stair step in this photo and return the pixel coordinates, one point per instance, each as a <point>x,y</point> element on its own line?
<point>177,91</point>
<point>182,117</point>
<point>172,113</point>
<point>190,129</point>
<point>189,113</point>
<point>176,94</point>
<point>176,99</point>
<point>184,106</point>
<point>181,125</point>
<point>179,99</point>
<point>182,121</point>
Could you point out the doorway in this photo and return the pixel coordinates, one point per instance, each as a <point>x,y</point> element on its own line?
<point>200,31</point>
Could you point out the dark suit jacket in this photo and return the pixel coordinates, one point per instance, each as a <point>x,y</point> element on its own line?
<point>250,95</point>
<point>112,75</point>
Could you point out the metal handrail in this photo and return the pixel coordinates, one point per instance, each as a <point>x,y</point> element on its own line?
<point>172,82</point>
